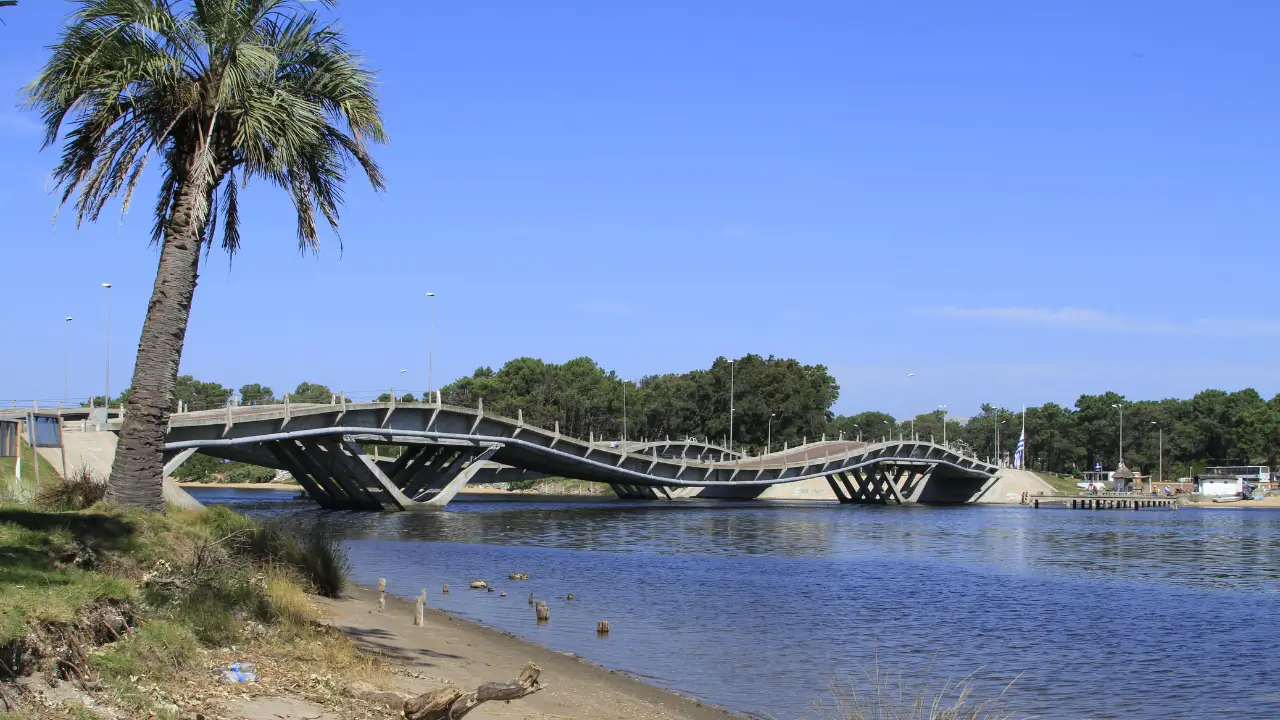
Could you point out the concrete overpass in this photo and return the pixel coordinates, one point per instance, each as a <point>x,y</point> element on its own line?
<point>447,447</point>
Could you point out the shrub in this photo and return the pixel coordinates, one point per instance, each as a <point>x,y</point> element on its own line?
<point>76,492</point>
<point>324,562</point>
<point>243,473</point>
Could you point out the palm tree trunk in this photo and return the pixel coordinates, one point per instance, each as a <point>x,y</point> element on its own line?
<point>136,474</point>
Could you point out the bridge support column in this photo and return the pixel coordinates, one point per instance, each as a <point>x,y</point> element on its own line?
<point>315,484</point>
<point>327,459</point>
<point>440,496</point>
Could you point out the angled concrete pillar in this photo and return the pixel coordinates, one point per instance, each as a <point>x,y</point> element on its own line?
<point>438,474</point>
<point>314,487</point>
<point>459,480</point>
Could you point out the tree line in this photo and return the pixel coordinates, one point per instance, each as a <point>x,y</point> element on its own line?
<point>1212,428</point>
<point>779,400</point>
<point>774,398</point>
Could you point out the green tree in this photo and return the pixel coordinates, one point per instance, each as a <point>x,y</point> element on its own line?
<point>869,426</point>
<point>311,393</point>
<point>222,92</point>
<point>255,394</point>
<point>199,395</point>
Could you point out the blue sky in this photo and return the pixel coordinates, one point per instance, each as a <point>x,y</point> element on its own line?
<point>1016,202</point>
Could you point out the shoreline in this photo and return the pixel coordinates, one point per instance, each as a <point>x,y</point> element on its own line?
<point>464,652</point>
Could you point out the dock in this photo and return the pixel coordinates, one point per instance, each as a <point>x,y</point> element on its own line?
<point>1105,501</point>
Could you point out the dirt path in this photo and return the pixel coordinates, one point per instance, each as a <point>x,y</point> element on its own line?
<point>451,650</point>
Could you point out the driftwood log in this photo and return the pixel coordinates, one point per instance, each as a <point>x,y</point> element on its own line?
<point>450,703</point>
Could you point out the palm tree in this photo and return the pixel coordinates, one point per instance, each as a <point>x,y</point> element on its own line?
<point>222,92</point>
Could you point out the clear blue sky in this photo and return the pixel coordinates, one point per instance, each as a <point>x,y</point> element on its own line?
<point>1017,202</point>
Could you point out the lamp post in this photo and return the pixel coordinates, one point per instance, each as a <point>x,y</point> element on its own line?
<point>1159,428</point>
<point>768,443</point>
<point>66,356</point>
<point>624,415</point>
<point>730,406</point>
<point>855,427</point>
<point>1120,407</point>
<point>943,408</point>
<point>106,399</point>
<point>889,429</point>
<point>431,345</point>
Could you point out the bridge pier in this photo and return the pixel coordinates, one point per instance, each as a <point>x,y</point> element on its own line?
<point>880,484</point>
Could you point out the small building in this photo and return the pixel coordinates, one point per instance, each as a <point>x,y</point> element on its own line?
<point>1123,478</point>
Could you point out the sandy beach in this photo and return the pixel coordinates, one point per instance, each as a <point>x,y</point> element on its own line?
<point>450,649</point>
<point>1268,503</point>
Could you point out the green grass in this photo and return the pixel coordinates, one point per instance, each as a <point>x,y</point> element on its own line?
<point>185,583</point>
<point>1064,484</point>
<point>8,474</point>
<point>39,578</point>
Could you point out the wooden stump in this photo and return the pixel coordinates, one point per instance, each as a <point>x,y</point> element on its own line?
<point>382,584</point>
<point>420,609</point>
<point>602,627</point>
<point>543,612</point>
<point>382,602</point>
<point>446,588</point>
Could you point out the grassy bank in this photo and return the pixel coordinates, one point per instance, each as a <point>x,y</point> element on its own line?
<point>10,490</point>
<point>1064,484</point>
<point>137,613</point>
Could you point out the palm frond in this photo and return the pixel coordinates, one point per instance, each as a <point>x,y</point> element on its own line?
<point>212,87</point>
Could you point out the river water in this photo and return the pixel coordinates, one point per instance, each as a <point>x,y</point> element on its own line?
<point>758,606</point>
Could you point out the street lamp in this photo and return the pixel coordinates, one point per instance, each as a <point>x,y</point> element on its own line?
<point>1120,407</point>
<point>889,429</point>
<point>855,427</point>
<point>730,406</point>
<point>913,419</point>
<point>431,344</point>
<point>768,443</point>
<point>624,414</point>
<point>1160,428</point>
<point>106,399</point>
<point>943,408</point>
<point>66,355</point>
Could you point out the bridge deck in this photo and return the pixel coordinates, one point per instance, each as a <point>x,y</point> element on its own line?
<point>446,447</point>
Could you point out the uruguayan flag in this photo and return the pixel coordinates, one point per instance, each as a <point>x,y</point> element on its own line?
<point>1017,455</point>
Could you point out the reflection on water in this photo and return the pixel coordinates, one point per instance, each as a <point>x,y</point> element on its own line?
<point>756,606</point>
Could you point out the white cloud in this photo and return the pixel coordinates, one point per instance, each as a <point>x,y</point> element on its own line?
<point>1085,319</point>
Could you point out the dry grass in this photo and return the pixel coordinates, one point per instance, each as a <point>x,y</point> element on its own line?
<point>78,491</point>
<point>290,606</point>
<point>885,693</point>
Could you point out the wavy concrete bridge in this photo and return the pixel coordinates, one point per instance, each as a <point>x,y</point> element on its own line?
<point>447,447</point>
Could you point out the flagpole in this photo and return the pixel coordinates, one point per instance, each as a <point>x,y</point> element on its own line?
<point>1024,438</point>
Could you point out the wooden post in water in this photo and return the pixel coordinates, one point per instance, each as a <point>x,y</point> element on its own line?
<point>543,612</point>
<point>602,627</point>
<point>446,588</point>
